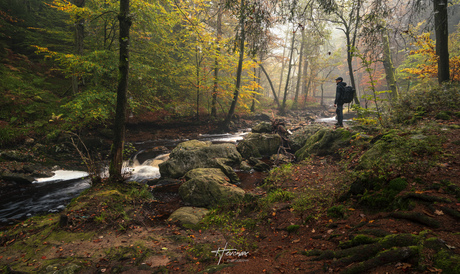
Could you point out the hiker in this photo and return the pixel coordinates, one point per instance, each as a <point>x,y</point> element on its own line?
<point>338,103</point>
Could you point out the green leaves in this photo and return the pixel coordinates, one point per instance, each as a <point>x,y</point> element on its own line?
<point>90,107</point>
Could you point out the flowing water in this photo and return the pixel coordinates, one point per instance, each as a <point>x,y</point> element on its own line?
<point>42,196</point>
<point>46,195</point>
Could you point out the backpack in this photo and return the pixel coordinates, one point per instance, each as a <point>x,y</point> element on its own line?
<point>348,94</point>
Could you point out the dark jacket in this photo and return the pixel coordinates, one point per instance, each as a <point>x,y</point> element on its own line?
<point>339,93</point>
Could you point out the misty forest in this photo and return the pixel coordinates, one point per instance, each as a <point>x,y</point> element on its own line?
<point>193,136</point>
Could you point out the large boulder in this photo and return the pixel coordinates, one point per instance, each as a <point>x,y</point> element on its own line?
<point>198,154</point>
<point>188,215</point>
<point>299,137</point>
<point>259,144</point>
<point>208,186</point>
<point>263,127</point>
<point>325,142</point>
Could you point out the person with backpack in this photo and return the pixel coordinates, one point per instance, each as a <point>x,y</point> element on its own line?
<point>339,100</point>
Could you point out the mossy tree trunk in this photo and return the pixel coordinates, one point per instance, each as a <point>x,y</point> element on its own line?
<point>388,65</point>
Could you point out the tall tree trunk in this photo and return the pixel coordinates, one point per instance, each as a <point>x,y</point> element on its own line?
<point>351,42</point>
<point>283,63</point>
<point>198,82</point>
<point>239,69</point>
<point>388,65</point>
<point>307,88</point>
<point>253,106</point>
<point>79,38</point>
<point>299,74</point>
<point>271,85</point>
<point>283,106</point>
<point>305,78</point>
<point>216,62</point>
<point>116,153</point>
<point>442,38</point>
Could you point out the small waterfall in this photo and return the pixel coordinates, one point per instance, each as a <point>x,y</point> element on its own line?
<point>147,170</point>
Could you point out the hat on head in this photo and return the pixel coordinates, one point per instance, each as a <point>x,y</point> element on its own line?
<point>339,78</point>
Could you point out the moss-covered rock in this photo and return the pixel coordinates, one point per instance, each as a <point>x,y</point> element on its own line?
<point>395,150</point>
<point>188,215</point>
<point>208,186</point>
<point>259,144</point>
<point>299,137</point>
<point>197,154</point>
<point>384,194</point>
<point>263,127</point>
<point>325,142</point>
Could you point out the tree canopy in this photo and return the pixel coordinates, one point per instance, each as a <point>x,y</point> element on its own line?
<point>197,58</point>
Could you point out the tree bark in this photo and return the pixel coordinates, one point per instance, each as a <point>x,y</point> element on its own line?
<point>115,169</point>
<point>216,62</point>
<point>239,69</point>
<point>283,106</point>
<point>198,82</point>
<point>389,68</point>
<point>253,105</point>
<point>442,38</point>
<point>283,63</point>
<point>79,38</point>
<point>271,85</point>
<point>305,79</point>
<point>299,74</point>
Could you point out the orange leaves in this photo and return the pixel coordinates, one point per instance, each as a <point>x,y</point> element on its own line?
<point>427,65</point>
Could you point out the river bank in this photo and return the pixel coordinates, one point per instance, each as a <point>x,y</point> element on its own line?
<point>300,212</point>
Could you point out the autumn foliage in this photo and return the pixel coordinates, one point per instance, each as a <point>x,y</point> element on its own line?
<point>428,68</point>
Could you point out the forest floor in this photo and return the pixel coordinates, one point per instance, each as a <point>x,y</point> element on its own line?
<point>277,240</point>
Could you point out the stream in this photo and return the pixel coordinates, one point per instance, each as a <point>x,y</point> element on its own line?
<point>50,195</point>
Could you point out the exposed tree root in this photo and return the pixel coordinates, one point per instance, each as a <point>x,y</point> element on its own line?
<point>374,252</point>
<point>365,252</point>
<point>384,257</point>
<point>452,212</point>
<point>415,217</point>
<point>426,198</point>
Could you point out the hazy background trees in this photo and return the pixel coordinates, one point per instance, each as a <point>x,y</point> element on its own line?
<point>205,59</point>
